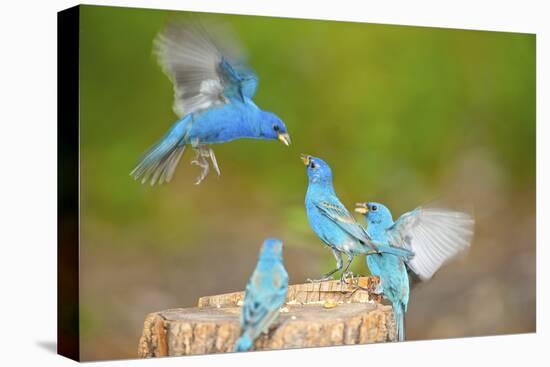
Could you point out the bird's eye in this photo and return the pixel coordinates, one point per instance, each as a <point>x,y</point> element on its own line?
<point>312,164</point>
<point>374,208</point>
<point>276,127</point>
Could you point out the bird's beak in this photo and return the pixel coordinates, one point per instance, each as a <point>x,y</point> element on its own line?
<point>284,138</point>
<point>362,208</point>
<point>305,158</point>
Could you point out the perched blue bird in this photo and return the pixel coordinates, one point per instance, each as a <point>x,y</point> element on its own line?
<point>435,235</point>
<point>213,99</point>
<point>333,223</point>
<point>264,295</point>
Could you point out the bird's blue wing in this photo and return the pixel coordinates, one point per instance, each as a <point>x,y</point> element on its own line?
<point>249,80</point>
<point>253,310</point>
<point>435,235</point>
<point>239,80</point>
<point>262,300</point>
<point>336,212</point>
<point>205,72</point>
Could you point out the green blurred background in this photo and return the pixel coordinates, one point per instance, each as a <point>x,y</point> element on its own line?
<point>404,115</point>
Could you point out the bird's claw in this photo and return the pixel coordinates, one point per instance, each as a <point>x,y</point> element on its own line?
<point>201,160</point>
<point>345,276</point>
<point>205,169</point>
<point>203,175</point>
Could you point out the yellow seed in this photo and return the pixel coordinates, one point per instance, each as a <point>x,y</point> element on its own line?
<point>330,303</point>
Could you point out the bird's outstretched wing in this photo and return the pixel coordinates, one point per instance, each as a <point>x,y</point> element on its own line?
<point>338,213</point>
<point>263,300</point>
<point>205,72</point>
<point>434,235</point>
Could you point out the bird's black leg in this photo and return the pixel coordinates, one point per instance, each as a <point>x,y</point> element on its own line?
<point>339,263</point>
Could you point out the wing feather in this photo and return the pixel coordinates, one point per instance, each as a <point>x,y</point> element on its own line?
<point>342,217</point>
<point>262,301</point>
<point>203,73</point>
<point>434,235</point>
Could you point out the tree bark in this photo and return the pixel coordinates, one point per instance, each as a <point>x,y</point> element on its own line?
<point>315,314</point>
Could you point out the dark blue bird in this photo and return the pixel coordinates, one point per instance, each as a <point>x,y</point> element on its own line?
<point>213,98</point>
<point>435,235</point>
<point>264,295</point>
<point>333,223</point>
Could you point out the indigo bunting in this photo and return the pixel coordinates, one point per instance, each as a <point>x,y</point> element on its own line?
<point>434,235</point>
<point>213,99</point>
<point>333,223</point>
<point>264,295</point>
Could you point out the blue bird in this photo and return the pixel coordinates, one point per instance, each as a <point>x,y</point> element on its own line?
<point>213,99</point>
<point>264,295</point>
<point>333,223</point>
<point>435,236</point>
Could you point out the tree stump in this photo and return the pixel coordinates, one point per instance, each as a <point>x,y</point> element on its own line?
<point>315,314</point>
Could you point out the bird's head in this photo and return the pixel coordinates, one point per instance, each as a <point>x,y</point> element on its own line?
<point>272,248</point>
<point>272,127</point>
<point>317,169</point>
<point>375,213</point>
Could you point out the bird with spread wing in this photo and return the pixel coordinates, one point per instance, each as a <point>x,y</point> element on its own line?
<point>214,91</point>
<point>435,235</point>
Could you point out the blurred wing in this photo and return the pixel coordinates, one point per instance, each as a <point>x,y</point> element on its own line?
<point>434,235</point>
<point>338,213</point>
<point>253,310</point>
<point>201,73</point>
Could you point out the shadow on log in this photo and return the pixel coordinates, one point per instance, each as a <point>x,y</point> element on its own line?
<point>315,314</point>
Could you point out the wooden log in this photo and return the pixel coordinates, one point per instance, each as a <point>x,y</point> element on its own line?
<point>316,314</point>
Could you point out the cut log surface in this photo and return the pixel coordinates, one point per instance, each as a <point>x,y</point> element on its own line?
<point>309,292</point>
<point>316,314</point>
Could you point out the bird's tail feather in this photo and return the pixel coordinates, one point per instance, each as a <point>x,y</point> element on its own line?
<point>244,343</point>
<point>159,163</point>
<point>399,315</point>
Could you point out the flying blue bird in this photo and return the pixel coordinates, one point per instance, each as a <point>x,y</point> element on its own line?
<point>435,236</point>
<point>333,223</point>
<point>264,295</point>
<point>214,92</point>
